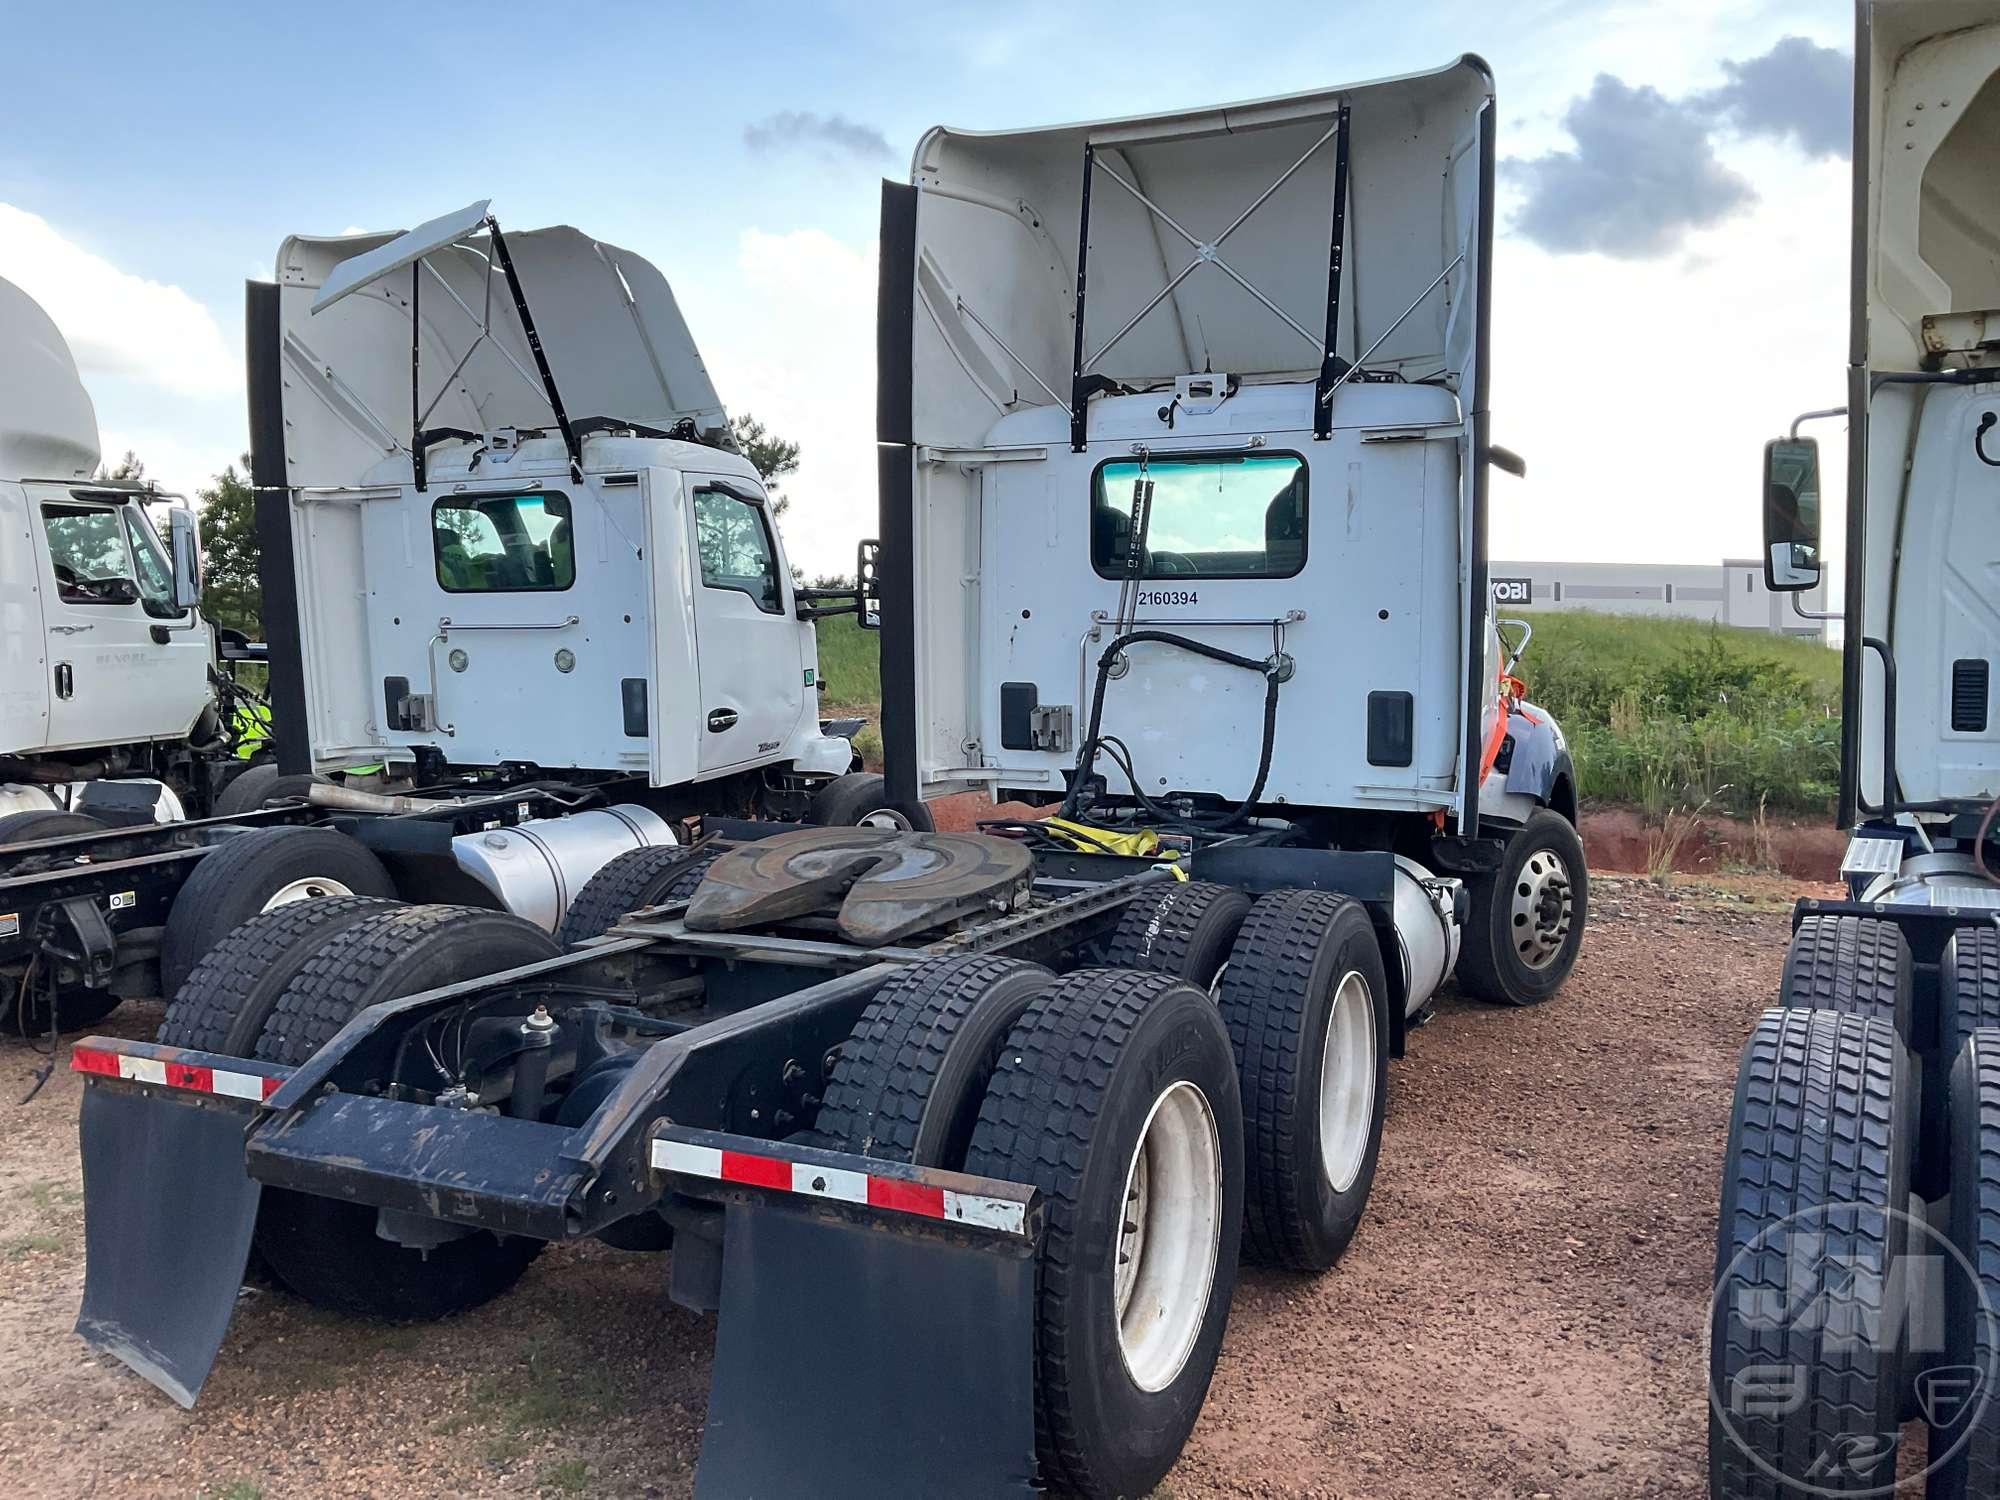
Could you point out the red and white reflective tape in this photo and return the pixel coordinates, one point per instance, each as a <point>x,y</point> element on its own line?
<point>174,1075</point>
<point>896,1194</point>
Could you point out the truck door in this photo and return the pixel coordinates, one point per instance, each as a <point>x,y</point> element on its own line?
<point>106,589</point>
<point>24,669</point>
<point>746,641</point>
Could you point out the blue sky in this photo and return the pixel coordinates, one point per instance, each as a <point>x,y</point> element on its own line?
<point>210,132</point>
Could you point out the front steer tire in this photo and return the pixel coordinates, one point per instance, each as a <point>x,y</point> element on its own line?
<point>861,799</point>
<point>324,1249</point>
<point>1306,1002</point>
<point>1097,1060</point>
<point>242,876</point>
<point>1515,957</point>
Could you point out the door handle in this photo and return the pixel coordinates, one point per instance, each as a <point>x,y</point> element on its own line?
<point>66,679</point>
<point>721,719</point>
<point>70,629</point>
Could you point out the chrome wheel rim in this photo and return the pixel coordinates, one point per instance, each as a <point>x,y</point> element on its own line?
<point>312,888</point>
<point>884,817</point>
<point>1542,909</point>
<point>1169,1236</point>
<point>1347,1082</point>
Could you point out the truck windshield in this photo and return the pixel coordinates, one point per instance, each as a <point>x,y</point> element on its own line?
<point>1213,516</point>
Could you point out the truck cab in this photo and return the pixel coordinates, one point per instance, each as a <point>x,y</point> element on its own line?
<point>568,566</point>
<point>1920,753</point>
<point>104,656</point>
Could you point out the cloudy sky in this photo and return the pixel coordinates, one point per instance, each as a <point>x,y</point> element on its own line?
<point>1670,284</point>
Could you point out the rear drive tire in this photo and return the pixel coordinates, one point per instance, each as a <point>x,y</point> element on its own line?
<point>1527,917</point>
<point>908,1083</point>
<point>1854,965</point>
<point>860,799</point>
<point>326,1250</point>
<point>1306,1002</point>
<point>1116,1091</point>
<point>1821,1140</point>
<point>657,876</point>
<point>1971,979</point>
<point>1184,931</point>
<point>1970,1443</point>
<point>255,872</point>
<point>226,999</point>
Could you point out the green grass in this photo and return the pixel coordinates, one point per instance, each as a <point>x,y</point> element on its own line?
<point>1659,713</point>
<point>1675,713</point>
<point>850,663</point>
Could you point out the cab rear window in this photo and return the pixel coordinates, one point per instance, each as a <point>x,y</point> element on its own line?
<point>1228,515</point>
<point>503,544</point>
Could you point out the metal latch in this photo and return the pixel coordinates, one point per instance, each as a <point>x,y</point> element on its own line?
<point>1052,727</point>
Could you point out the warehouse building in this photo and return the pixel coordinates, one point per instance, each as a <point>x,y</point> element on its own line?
<point>1731,592</point>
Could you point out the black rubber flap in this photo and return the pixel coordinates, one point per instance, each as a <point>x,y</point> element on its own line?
<point>853,1363</point>
<point>167,1215</point>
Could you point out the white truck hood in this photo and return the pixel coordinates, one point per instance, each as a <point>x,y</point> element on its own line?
<point>997,246</point>
<point>48,428</point>
<point>614,337</point>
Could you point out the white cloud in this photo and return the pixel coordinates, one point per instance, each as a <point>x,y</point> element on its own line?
<point>117,324</point>
<point>791,338</point>
<point>1641,396</point>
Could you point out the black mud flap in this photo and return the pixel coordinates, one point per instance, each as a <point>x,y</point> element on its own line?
<point>852,1362</point>
<point>167,1216</point>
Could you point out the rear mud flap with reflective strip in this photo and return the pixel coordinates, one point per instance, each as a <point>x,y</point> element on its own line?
<point>167,1216</point>
<point>853,1363</point>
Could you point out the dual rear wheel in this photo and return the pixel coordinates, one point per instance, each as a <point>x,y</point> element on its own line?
<point>1219,1095</point>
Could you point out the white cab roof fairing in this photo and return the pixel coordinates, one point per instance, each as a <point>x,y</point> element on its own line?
<point>997,243</point>
<point>1927,136</point>
<point>613,334</point>
<point>48,427</point>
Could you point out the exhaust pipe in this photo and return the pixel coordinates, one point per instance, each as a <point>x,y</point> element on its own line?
<point>347,799</point>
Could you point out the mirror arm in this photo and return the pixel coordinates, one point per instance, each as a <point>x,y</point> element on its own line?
<point>1814,416</point>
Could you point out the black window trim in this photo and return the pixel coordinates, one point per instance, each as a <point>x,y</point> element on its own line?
<point>111,508</point>
<point>760,508</point>
<point>470,499</point>
<point>1189,455</point>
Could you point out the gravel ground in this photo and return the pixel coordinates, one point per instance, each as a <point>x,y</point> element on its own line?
<point>1522,1314</point>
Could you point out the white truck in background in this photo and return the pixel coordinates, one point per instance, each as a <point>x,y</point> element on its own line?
<point>1863,1165</point>
<point>106,699</point>
<point>526,610</point>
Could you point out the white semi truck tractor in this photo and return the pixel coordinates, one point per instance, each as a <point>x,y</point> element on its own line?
<point>962,1135</point>
<point>525,608</point>
<point>1857,1273</point>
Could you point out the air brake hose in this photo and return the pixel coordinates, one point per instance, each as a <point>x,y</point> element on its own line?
<point>1087,755</point>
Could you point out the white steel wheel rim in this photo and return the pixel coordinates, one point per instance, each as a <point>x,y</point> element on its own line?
<point>312,888</point>
<point>1347,1081</point>
<point>884,817</point>
<point>1542,909</point>
<point>1169,1236</point>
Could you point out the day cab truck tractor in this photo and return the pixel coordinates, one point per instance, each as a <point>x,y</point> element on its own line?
<point>548,627</point>
<point>1858,1247</point>
<point>963,1135</point>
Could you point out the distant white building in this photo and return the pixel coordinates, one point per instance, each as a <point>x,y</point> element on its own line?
<point>1731,592</point>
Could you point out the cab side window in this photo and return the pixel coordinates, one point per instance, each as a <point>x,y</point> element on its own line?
<point>90,554</point>
<point>735,547</point>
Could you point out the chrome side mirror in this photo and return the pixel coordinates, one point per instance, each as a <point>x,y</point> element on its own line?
<point>184,545</point>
